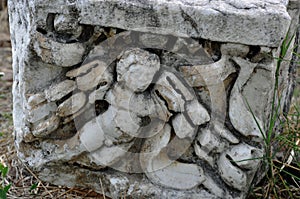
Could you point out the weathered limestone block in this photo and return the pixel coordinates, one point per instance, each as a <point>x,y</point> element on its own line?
<point>153,98</point>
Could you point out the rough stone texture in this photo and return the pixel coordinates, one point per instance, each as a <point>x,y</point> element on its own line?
<point>225,21</point>
<point>150,97</point>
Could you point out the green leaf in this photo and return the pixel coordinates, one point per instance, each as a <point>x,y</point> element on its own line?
<point>2,194</point>
<point>6,188</point>
<point>4,171</point>
<point>33,187</point>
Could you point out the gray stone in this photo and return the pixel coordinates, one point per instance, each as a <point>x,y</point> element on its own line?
<point>91,135</point>
<point>245,156</point>
<point>128,122</point>
<point>197,113</point>
<point>161,110</point>
<point>232,175</point>
<point>71,105</point>
<point>83,69</point>
<point>97,94</point>
<point>41,112</point>
<point>182,127</point>
<point>99,75</point>
<point>234,160</point>
<point>137,68</point>
<point>35,100</point>
<point>111,128</point>
<point>108,155</point>
<point>150,40</point>
<point>50,51</point>
<point>161,170</point>
<point>210,184</point>
<point>236,50</point>
<point>60,90</point>
<point>199,75</point>
<point>204,155</point>
<point>67,24</point>
<point>83,114</point>
<point>174,100</point>
<point>167,86</point>
<point>194,19</point>
<point>223,132</point>
<point>46,127</point>
<point>210,141</point>
<point>242,103</point>
<point>156,99</point>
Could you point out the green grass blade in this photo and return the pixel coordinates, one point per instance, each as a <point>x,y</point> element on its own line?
<point>257,123</point>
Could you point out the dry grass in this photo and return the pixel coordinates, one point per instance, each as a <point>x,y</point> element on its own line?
<point>26,185</point>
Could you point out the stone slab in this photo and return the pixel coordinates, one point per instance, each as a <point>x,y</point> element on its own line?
<point>225,20</point>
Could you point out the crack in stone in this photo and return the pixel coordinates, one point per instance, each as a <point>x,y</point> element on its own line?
<point>189,19</point>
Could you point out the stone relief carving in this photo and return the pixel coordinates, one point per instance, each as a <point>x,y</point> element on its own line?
<point>149,114</point>
<point>143,101</point>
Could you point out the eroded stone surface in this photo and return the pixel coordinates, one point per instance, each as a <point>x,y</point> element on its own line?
<point>101,74</point>
<point>35,100</point>
<point>111,129</point>
<point>46,127</point>
<point>150,114</point>
<point>161,170</point>
<point>232,175</point>
<point>49,51</point>
<point>232,17</point>
<point>197,113</point>
<point>60,90</point>
<point>91,135</point>
<point>71,105</point>
<point>182,127</point>
<point>41,112</point>
<point>137,68</point>
<point>232,162</point>
<point>249,101</point>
